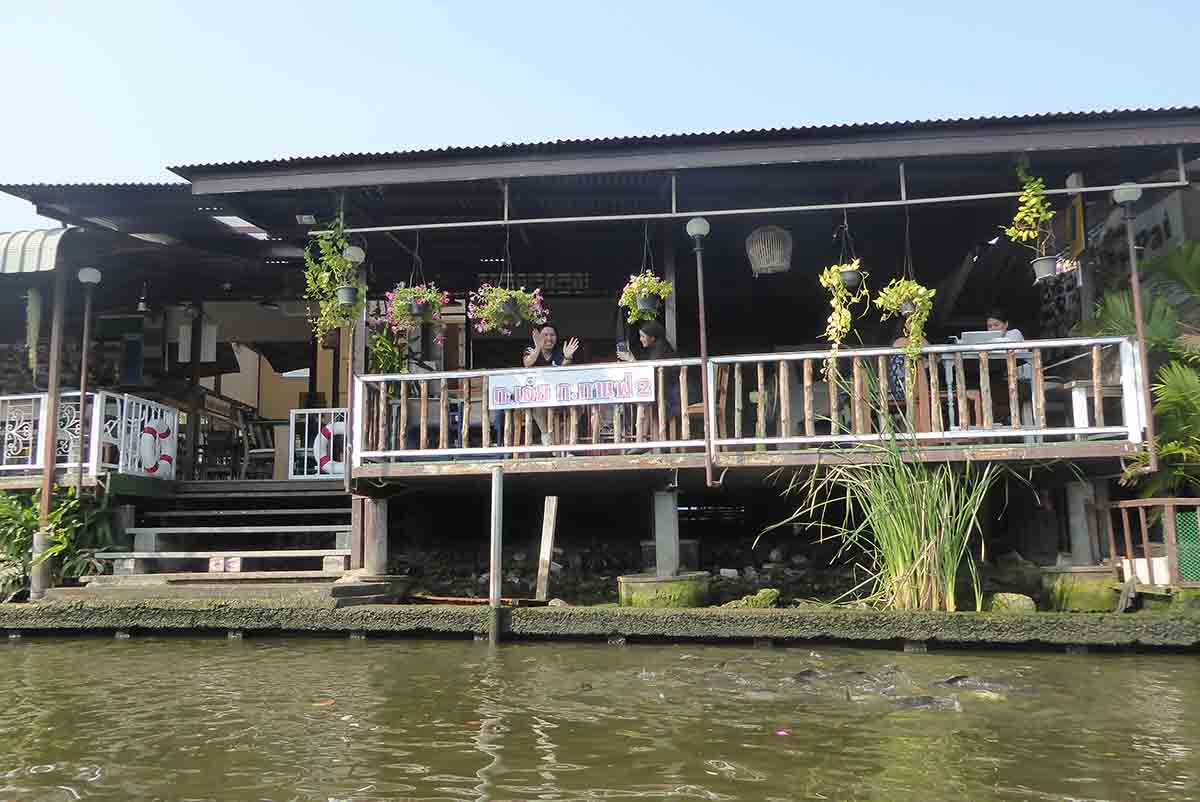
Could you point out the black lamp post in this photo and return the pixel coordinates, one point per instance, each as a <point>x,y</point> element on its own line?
<point>697,229</point>
<point>1127,195</point>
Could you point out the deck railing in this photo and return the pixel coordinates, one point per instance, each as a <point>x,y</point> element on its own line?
<point>116,433</point>
<point>1026,392</point>
<point>513,414</point>
<point>1076,396</point>
<point>1170,559</point>
<point>317,443</point>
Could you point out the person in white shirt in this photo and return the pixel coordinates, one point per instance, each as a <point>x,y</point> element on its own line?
<point>997,321</point>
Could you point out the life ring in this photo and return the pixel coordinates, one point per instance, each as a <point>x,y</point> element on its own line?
<point>154,447</point>
<point>323,449</point>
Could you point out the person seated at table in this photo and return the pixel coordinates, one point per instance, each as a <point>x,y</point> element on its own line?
<point>997,321</point>
<point>653,337</point>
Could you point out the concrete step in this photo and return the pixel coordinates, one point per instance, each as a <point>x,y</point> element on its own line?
<point>315,511</point>
<point>322,578</point>
<point>203,555</point>
<point>218,529</point>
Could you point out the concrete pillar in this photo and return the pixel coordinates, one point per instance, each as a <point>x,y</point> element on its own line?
<point>375,536</point>
<point>1080,500</point>
<point>666,532</point>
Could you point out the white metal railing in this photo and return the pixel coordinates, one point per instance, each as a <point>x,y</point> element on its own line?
<point>317,443</point>
<point>955,397</point>
<point>148,438</point>
<point>110,433</point>
<point>482,414</point>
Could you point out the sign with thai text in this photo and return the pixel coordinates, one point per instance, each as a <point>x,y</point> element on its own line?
<point>563,387</point>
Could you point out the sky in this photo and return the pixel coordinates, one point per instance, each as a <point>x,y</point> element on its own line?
<point>116,91</point>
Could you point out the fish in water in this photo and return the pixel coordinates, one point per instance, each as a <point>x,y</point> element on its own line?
<point>928,702</point>
<point>972,683</point>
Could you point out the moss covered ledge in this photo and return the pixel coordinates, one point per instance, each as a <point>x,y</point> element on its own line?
<point>711,624</point>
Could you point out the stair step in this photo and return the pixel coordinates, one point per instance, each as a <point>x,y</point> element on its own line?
<point>203,555</point>
<point>238,513</point>
<point>108,580</point>
<point>233,530</point>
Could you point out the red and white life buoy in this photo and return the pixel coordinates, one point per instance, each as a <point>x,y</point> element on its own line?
<point>154,448</point>
<point>323,449</point>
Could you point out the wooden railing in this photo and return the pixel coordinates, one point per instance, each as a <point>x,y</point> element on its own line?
<point>1173,558</point>
<point>1028,392</point>
<point>459,414</point>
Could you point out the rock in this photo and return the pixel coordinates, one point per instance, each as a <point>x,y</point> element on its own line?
<point>1012,573</point>
<point>767,597</point>
<point>557,603</point>
<point>1009,603</point>
<point>729,573</point>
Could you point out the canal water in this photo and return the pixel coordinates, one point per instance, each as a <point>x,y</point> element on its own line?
<point>334,719</point>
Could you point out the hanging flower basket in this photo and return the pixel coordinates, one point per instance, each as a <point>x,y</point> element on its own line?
<point>642,295</point>
<point>907,308</point>
<point>1044,267</point>
<point>332,283</point>
<point>347,296</point>
<point>409,307</point>
<point>501,310</point>
<point>647,303</point>
<point>769,249</point>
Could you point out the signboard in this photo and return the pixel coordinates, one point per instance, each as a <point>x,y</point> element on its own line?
<point>562,387</point>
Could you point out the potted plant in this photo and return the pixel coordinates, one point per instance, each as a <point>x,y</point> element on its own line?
<point>642,295</point>
<point>1031,225</point>
<point>387,348</point>
<point>846,286</point>
<point>409,307</point>
<point>502,309</point>
<point>905,297</point>
<point>332,281</point>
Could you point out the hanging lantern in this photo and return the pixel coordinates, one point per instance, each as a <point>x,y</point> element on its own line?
<point>769,249</point>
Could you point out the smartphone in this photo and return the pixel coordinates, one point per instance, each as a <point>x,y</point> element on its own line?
<point>622,347</point>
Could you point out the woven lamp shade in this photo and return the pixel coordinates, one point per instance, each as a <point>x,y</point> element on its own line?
<point>769,249</point>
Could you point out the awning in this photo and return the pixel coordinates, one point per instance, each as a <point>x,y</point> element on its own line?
<point>30,251</point>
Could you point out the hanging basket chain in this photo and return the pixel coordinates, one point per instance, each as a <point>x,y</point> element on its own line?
<point>845,240</point>
<point>647,250</point>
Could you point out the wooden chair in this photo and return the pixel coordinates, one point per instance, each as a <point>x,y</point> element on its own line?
<point>258,448</point>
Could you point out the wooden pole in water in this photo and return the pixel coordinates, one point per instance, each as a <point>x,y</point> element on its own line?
<point>495,576</point>
<point>39,574</point>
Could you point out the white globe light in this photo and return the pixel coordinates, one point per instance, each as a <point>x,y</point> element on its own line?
<point>89,275</point>
<point>354,255</point>
<point>697,227</point>
<point>1127,193</point>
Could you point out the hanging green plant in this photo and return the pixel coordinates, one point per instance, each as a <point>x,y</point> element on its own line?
<point>328,274</point>
<point>843,295</point>
<point>501,309</point>
<point>642,295</point>
<point>387,350</point>
<point>1031,224</point>
<point>905,297</point>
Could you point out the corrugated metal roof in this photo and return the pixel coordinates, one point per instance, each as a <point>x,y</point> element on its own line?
<point>661,140</point>
<point>30,251</point>
<point>96,185</point>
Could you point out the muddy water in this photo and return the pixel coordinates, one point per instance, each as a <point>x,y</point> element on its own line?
<point>300,719</point>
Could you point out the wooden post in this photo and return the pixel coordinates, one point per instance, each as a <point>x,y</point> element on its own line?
<point>810,426</point>
<point>833,383</point>
<point>737,400</point>
<point>683,402</point>
<point>495,576</point>
<point>985,391</point>
<point>424,439</point>
<point>884,394</point>
<point>1169,534</point>
<point>84,416</point>
<point>662,406</point>
<point>39,579</point>
<point>671,305</point>
<point>856,395</point>
<point>375,536</point>
<point>960,379</point>
<point>402,435</point>
<point>935,396</point>
<point>1128,539</point>
<point>465,422</point>
<point>785,399</point>
<point>444,414</point>
<point>595,422</point>
<point>549,519</point>
<point>486,416</point>
<point>760,412</point>
<point>358,528</point>
<point>1014,397</point>
<point>193,437</point>
<point>1039,391</point>
<point>1097,387</point>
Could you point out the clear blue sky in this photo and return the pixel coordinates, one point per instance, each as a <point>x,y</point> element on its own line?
<point>99,91</point>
